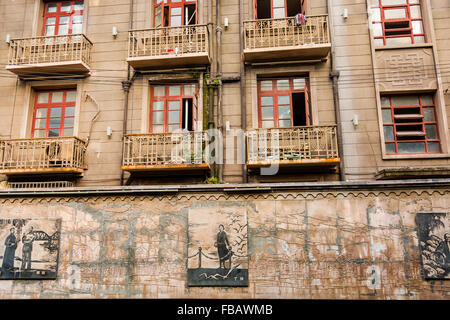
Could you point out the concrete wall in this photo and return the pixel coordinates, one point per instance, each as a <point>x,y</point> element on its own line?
<point>349,242</point>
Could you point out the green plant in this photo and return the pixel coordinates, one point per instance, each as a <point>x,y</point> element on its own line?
<point>211,180</point>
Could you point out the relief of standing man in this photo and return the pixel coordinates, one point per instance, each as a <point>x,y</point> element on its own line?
<point>10,249</point>
<point>27,248</point>
<point>223,247</point>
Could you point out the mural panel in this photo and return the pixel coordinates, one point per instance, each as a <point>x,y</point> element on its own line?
<point>434,238</point>
<point>29,248</point>
<point>217,250</point>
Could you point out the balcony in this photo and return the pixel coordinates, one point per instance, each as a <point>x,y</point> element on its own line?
<point>295,146</point>
<point>281,39</point>
<point>52,55</point>
<point>168,47</point>
<point>162,152</point>
<point>61,155</point>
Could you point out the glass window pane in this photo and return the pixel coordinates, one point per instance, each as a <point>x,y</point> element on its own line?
<point>278,3</point>
<point>174,105</point>
<point>390,148</point>
<point>267,101</point>
<point>174,116</point>
<point>63,29</point>
<point>279,13</point>
<point>174,91</point>
<point>299,83</point>
<point>417,27</point>
<point>41,113</point>
<point>77,28</point>
<point>158,16</point>
<point>158,117</point>
<point>69,111</point>
<point>189,89</point>
<point>395,13</point>
<point>405,100</point>
<point>385,102</point>
<point>55,123</point>
<point>431,131</point>
<point>376,14</point>
<point>419,39</point>
<point>40,123</point>
<point>53,133</point>
<point>158,105</point>
<point>377,30</point>
<point>415,12</point>
<point>387,116</point>
<point>43,97</point>
<point>51,7</point>
<point>388,133</point>
<point>175,21</point>
<point>284,100</point>
<point>411,147</point>
<point>50,30</point>
<point>428,115</point>
<point>65,7</point>
<point>68,132</point>
<point>157,129</point>
<point>71,96</point>
<point>434,147</point>
<point>427,100</point>
<point>267,124</point>
<point>39,133</point>
<point>398,41</point>
<point>283,84</point>
<point>176,11</point>
<point>68,122</point>
<point>174,127</point>
<point>284,123</point>
<point>266,85</point>
<point>64,20</point>
<point>392,2</point>
<point>55,112</point>
<point>284,112</point>
<point>57,97</point>
<point>79,6</point>
<point>379,42</point>
<point>159,91</point>
<point>50,21</point>
<point>267,113</point>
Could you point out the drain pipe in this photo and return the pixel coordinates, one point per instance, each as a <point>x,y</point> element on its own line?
<point>219,90</point>
<point>211,52</point>
<point>334,75</point>
<point>243,91</point>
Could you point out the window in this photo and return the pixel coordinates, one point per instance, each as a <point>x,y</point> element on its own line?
<point>173,107</point>
<point>397,22</point>
<point>283,102</point>
<point>175,13</point>
<point>268,9</point>
<point>54,113</point>
<point>410,124</point>
<point>63,17</point>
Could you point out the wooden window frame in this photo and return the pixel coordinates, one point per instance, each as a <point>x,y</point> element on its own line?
<point>423,124</point>
<point>408,19</point>
<point>171,5</point>
<point>275,93</point>
<point>303,6</point>
<point>166,99</point>
<point>58,14</point>
<point>49,105</point>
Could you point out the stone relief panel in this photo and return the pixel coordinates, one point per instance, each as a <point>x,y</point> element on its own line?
<point>217,249</point>
<point>29,248</point>
<point>405,69</point>
<point>434,238</point>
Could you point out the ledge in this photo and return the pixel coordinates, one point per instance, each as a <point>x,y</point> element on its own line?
<point>234,188</point>
<point>412,173</point>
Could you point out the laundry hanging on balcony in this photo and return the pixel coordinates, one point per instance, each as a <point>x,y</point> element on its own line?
<point>300,19</point>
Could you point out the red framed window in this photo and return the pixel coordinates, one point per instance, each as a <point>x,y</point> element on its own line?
<point>397,22</point>
<point>63,17</point>
<point>272,9</point>
<point>284,102</point>
<point>174,13</point>
<point>54,113</point>
<point>173,107</point>
<point>410,124</point>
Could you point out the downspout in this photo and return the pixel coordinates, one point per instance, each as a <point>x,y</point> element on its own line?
<point>211,51</point>
<point>126,89</point>
<point>219,93</point>
<point>243,91</point>
<point>334,75</point>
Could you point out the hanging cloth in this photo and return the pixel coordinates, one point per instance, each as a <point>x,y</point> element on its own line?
<point>300,19</point>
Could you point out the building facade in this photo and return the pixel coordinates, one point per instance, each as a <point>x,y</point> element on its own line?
<point>322,124</point>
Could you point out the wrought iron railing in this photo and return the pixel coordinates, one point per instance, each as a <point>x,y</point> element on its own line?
<point>294,143</point>
<point>266,33</point>
<point>42,153</point>
<point>168,41</point>
<point>165,149</point>
<point>50,49</point>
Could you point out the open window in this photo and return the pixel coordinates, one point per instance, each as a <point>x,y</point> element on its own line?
<point>173,108</point>
<point>397,22</point>
<point>284,102</point>
<point>63,18</point>
<point>272,9</point>
<point>175,13</point>
<point>410,124</point>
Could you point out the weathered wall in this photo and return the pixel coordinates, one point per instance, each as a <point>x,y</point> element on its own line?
<point>337,244</point>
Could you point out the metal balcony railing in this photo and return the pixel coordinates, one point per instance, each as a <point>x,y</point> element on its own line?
<point>50,49</point>
<point>159,149</point>
<point>42,154</point>
<point>290,144</point>
<point>275,33</point>
<point>191,39</point>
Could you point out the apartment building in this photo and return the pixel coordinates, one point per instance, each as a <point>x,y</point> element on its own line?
<point>323,124</point>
